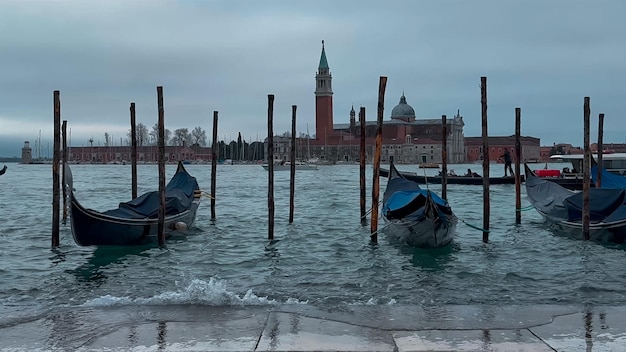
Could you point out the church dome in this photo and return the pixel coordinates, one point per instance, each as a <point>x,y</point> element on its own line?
<point>402,110</point>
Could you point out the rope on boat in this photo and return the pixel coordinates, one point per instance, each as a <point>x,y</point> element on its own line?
<point>370,210</point>
<point>207,194</point>
<point>475,227</point>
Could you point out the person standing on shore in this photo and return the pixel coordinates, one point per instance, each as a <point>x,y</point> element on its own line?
<point>507,162</point>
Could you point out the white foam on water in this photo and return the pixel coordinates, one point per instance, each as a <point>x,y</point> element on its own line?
<point>213,293</point>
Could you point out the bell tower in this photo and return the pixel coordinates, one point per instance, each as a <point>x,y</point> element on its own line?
<point>323,100</point>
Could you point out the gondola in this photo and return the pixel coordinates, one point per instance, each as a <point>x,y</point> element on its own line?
<point>563,207</point>
<point>458,180</point>
<point>135,222</point>
<point>3,170</point>
<point>415,216</point>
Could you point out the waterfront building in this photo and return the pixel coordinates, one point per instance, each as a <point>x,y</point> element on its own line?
<point>404,136</point>
<point>531,148</point>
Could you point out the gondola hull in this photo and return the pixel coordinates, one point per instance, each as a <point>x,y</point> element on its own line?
<point>91,228</point>
<point>425,233</point>
<point>563,207</point>
<point>414,216</point>
<point>135,222</point>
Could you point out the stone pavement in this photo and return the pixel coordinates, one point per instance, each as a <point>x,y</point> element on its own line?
<point>303,328</point>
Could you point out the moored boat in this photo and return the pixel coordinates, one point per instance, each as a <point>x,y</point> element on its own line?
<point>285,166</point>
<point>563,207</point>
<point>3,170</point>
<point>135,222</point>
<point>415,216</point>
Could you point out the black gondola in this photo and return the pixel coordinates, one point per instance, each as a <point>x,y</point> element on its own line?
<point>135,222</point>
<point>3,170</point>
<point>415,216</point>
<point>459,180</point>
<point>561,206</point>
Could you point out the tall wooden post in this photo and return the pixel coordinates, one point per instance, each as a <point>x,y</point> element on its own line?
<point>292,179</point>
<point>518,158</point>
<point>362,163</point>
<point>486,206</point>
<point>600,147</point>
<point>382,84</point>
<point>270,166</point>
<point>444,158</point>
<point>133,151</point>
<point>55,169</point>
<point>586,169</point>
<point>63,186</point>
<point>214,154</point>
<point>161,147</point>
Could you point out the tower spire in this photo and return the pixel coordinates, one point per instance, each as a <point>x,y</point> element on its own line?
<point>323,62</point>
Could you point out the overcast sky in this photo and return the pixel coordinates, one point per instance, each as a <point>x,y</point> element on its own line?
<point>542,56</point>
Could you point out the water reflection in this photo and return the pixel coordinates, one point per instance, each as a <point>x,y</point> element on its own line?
<point>92,273</point>
<point>429,259</point>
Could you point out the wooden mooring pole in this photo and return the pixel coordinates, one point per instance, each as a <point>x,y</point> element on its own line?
<point>382,84</point>
<point>600,147</point>
<point>444,158</point>
<point>55,169</point>
<point>133,151</point>
<point>161,158</point>
<point>292,179</point>
<point>486,206</point>
<point>518,157</point>
<point>362,163</point>
<point>64,158</point>
<point>270,166</point>
<point>586,169</point>
<point>214,153</point>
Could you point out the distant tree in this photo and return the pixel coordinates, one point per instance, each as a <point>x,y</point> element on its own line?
<point>238,155</point>
<point>286,134</point>
<point>154,135</point>
<point>198,136</point>
<point>141,133</point>
<point>181,136</point>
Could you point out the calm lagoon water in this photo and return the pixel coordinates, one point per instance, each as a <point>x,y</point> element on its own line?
<point>324,259</point>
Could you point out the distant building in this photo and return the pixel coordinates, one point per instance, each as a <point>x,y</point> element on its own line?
<point>27,153</point>
<point>406,138</point>
<point>530,148</point>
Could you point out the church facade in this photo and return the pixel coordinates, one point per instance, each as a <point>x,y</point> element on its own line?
<point>404,136</point>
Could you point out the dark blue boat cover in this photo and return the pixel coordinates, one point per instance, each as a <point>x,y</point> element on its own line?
<point>403,197</point>
<point>609,179</point>
<point>602,203</point>
<point>179,194</point>
<point>560,204</point>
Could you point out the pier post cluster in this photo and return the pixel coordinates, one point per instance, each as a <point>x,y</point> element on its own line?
<point>62,131</point>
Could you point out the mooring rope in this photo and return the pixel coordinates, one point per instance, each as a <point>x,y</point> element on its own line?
<point>474,226</point>
<point>370,210</point>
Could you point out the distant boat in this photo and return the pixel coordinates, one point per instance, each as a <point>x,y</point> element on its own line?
<point>428,166</point>
<point>4,169</point>
<point>134,222</point>
<point>285,166</point>
<point>459,180</point>
<point>415,216</point>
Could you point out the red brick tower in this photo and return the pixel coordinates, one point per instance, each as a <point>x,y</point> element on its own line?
<point>323,100</point>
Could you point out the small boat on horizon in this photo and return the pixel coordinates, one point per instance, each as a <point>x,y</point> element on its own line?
<point>286,165</point>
